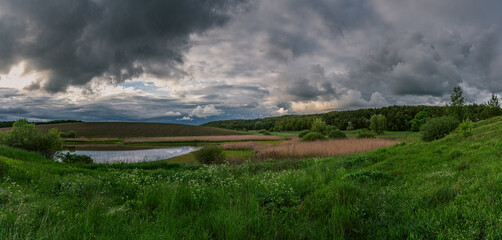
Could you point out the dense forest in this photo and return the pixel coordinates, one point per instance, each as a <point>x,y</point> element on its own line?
<point>399,118</point>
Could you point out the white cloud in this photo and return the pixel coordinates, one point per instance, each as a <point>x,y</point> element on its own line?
<point>185,118</point>
<point>207,111</point>
<point>282,111</point>
<point>172,114</point>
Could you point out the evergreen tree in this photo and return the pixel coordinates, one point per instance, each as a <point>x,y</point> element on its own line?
<point>457,106</point>
<point>493,107</point>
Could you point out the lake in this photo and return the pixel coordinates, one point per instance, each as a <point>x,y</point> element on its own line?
<point>132,155</point>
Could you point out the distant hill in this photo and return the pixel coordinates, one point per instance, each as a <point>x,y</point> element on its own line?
<point>135,129</point>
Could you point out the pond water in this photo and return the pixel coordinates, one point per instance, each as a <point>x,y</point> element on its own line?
<point>133,156</point>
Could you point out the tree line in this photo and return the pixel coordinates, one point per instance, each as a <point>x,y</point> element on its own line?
<point>6,124</point>
<point>398,118</point>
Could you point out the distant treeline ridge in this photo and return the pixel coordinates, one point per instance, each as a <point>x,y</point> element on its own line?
<point>398,118</point>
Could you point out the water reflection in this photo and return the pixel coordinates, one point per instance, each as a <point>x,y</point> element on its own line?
<point>133,156</point>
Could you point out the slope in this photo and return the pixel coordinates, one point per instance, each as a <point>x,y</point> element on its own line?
<point>446,189</point>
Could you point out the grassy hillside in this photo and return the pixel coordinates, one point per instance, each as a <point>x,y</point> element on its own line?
<point>446,189</point>
<point>132,129</point>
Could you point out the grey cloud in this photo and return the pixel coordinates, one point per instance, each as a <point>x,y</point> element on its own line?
<point>13,111</point>
<point>404,64</point>
<point>297,32</point>
<point>78,40</point>
<point>309,85</point>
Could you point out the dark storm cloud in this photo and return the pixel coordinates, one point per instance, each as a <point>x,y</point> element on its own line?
<point>78,40</point>
<point>290,35</point>
<point>405,64</point>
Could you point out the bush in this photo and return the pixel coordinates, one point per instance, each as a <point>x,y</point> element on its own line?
<point>336,134</point>
<point>313,136</point>
<point>264,132</point>
<point>210,155</point>
<point>70,134</point>
<point>378,123</point>
<point>303,133</point>
<point>23,135</point>
<point>365,134</point>
<point>75,158</point>
<point>437,128</point>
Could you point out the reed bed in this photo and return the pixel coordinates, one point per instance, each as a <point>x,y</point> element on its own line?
<point>295,148</point>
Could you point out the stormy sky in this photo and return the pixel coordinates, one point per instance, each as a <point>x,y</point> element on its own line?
<point>194,61</point>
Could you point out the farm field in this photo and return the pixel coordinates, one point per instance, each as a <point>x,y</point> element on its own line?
<point>135,130</point>
<point>445,189</point>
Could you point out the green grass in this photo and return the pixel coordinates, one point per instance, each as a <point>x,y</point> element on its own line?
<point>135,130</point>
<point>285,134</point>
<point>445,189</point>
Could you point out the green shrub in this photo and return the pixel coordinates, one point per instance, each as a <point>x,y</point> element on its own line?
<point>4,168</point>
<point>365,134</point>
<point>313,136</point>
<point>75,158</point>
<point>437,128</point>
<point>328,129</point>
<point>264,132</point>
<point>336,134</point>
<point>419,120</point>
<point>70,134</point>
<point>303,133</point>
<point>465,128</point>
<point>23,135</point>
<point>378,123</point>
<point>210,155</point>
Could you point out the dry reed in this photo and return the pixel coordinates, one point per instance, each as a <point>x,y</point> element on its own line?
<point>295,148</point>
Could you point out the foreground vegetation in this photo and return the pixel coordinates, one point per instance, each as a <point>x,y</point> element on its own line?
<point>445,189</point>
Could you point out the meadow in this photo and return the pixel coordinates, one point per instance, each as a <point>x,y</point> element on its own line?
<point>445,189</point>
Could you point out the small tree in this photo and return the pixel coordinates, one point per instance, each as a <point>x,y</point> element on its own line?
<point>378,123</point>
<point>457,108</point>
<point>318,126</point>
